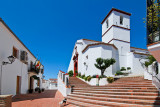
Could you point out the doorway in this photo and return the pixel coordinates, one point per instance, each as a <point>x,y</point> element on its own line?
<point>18,88</point>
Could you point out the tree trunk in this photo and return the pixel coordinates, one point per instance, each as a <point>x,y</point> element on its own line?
<point>102,73</point>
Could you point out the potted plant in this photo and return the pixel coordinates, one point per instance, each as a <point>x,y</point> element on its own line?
<point>76,72</point>
<point>30,91</point>
<point>129,69</point>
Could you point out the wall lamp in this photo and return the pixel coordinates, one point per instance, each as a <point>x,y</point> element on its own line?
<point>11,59</point>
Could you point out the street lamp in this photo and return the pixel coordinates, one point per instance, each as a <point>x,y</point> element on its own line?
<point>11,60</point>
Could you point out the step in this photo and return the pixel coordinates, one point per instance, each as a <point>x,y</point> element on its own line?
<point>117,90</point>
<point>105,103</point>
<point>88,88</point>
<point>82,104</point>
<point>119,96</point>
<point>121,93</point>
<point>119,100</point>
<point>123,85</point>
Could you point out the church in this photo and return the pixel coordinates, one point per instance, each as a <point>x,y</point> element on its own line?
<point>115,44</point>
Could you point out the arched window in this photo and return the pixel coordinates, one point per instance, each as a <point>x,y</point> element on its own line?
<point>107,23</point>
<point>121,20</point>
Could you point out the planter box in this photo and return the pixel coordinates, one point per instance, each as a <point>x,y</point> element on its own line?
<point>93,81</point>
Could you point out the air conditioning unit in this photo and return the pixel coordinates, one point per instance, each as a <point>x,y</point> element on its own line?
<point>24,56</point>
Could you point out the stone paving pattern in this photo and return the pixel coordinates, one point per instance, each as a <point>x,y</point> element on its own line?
<point>48,98</point>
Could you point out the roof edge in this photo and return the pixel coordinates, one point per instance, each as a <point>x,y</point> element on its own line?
<point>117,10</point>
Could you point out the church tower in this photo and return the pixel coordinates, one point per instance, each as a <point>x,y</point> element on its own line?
<point>116,30</point>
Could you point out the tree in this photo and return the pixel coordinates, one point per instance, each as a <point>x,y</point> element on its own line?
<point>103,64</point>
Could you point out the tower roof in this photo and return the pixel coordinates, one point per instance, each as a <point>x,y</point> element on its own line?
<point>117,10</point>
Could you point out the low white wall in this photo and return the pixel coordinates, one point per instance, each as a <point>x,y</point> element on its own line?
<point>62,85</point>
<point>93,81</point>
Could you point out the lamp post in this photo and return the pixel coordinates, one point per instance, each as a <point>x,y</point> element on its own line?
<point>11,60</point>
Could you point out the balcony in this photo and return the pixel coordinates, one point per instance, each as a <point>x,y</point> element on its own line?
<point>34,70</point>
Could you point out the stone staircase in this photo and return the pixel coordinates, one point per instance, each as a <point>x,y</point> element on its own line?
<point>124,92</point>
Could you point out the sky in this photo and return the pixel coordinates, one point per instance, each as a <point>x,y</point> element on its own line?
<point>50,28</point>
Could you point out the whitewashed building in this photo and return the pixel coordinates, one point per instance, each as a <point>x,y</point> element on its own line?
<point>115,44</point>
<point>21,75</point>
<point>52,83</point>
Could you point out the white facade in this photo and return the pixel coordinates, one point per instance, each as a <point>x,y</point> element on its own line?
<point>53,84</point>
<point>115,44</point>
<point>18,69</point>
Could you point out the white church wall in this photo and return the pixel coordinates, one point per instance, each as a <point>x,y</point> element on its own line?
<point>138,68</point>
<point>121,34</point>
<point>110,23</point>
<point>126,19</point>
<point>93,53</point>
<point>108,36</point>
<point>106,53</point>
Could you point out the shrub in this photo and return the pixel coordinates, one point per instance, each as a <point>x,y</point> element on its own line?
<point>89,78</point>
<point>43,89</point>
<point>37,89</point>
<point>110,79</point>
<point>128,68</point>
<point>83,76</point>
<point>76,71</point>
<point>30,91</point>
<point>79,74</point>
<point>119,73</point>
<point>100,76</point>
<point>123,69</point>
<point>70,73</point>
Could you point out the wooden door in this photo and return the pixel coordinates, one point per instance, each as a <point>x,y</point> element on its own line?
<point>18,85</point>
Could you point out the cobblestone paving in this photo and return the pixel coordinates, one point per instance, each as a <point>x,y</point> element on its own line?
<point>49,98</point>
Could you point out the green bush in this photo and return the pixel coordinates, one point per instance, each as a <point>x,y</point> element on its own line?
<point>70,73</point>
<point>89,78</point>
<point>83,76</point>
<point>76,71</point>
<point>79,74</point>
<point>94,76</point>
<point>128,68</point>
<point>110,79</point>
<point>123,69</point>
<point>119,73</point>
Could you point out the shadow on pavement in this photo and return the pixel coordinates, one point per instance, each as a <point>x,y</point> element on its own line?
<point>33,96</point>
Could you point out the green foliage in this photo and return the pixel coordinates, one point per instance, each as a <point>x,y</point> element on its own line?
<point>102,64</point>
<point>89,78</point>
<point>94,76</point>
<point>76,71</point>
<point>152,16</point>
<point>110,79</point>
<point>79,74</point>
<point>128,68</point>
<point>119,73</point>
<point>83,76</point>
<point>70,73</point>
<point>123,69</point>
<point>151,59</point>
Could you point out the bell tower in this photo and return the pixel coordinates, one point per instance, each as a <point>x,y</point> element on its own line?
<point>116,30</point>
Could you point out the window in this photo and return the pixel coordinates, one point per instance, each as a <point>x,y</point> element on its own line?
<point>121,20</point>
<point>31,65</point>
<point>15,52</point>
<point>107,24</point>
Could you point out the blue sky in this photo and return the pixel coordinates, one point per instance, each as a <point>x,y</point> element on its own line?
<point>50,28</point>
